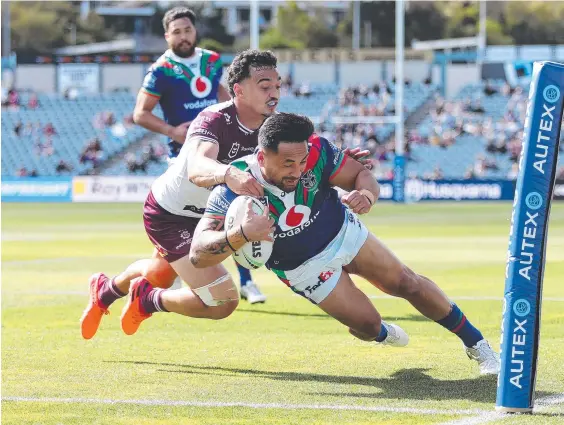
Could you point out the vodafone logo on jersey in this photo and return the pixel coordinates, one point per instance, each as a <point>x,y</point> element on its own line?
<point>294,217</point>
<point>201,86</point>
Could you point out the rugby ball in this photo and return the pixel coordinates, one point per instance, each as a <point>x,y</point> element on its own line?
<point>254,254</point>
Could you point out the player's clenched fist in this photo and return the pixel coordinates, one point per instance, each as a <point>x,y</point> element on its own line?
<point>178,133</point>
<point>358,201</point>
<point>257,227</point>
<point>242,183</point>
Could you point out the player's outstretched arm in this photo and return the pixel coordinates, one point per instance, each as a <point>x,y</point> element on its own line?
<point>363,186</point>
<point>143,116</point>
<point>206,171</point>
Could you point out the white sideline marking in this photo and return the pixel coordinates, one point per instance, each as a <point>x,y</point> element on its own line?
<point>542,404</point>
<point>69,259</point>
<point>248,405</point>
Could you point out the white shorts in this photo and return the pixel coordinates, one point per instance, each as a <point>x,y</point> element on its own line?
<point>316,278</point>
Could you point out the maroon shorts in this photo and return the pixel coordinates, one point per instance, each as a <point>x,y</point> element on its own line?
<point>171,234</point>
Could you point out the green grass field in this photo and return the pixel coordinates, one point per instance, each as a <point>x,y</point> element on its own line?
<point>283,362</point>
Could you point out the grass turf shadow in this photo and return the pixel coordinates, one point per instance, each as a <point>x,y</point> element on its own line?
<point>405,384</point>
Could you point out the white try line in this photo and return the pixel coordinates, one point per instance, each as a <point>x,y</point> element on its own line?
<point>467,298</point>
<point>283,406</point>
<point>542,405</point>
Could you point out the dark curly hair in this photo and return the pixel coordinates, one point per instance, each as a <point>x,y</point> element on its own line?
<point>240,68</point>
<point>284,127</point>
<point>178,13</point>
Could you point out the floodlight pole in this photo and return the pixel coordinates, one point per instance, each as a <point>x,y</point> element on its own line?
<point>399,159</point>
<point>356,25</point>
<point>482,30</point>
<point>254,24</point>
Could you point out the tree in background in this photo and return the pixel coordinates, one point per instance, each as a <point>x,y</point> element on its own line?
<point>423,21</point>
<point>535,22</point>
<point>295,28</point>
<point>463,21</point>
<point>40,27</point>
<point>512,22</point>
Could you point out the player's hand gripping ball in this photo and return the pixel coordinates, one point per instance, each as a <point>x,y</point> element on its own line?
<point>258,229</point>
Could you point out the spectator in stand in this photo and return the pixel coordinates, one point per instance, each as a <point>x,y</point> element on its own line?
<point>128,121</point>
<point>489,89</point>
<point>33,101</point>
<point>93,152</point>
<point>63,167</point>
<point>513,172</point>
<point>18,128</point>
<point>469,174</point>
<point>13,100</point>
<point>437,173</point>
<point>133,164</point>
<point>49,130</point>
<point>22,172</point>
<point>70,93</point>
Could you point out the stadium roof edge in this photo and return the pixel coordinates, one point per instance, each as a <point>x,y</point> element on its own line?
<point>447,43</point>
<point>91,48</point>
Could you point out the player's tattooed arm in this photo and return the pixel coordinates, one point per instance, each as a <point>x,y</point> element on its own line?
<point>212,243</point>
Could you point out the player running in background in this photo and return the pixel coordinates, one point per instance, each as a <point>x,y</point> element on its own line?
<point>184,81</point>
<point>319,242</point>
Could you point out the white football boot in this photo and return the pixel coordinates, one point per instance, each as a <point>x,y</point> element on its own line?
<point>487,358</point>
<point>396,336</point>
<point>252,294</point>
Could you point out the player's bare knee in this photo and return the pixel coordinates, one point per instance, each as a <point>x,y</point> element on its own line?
<point>409,285</point>
<point>159,273</point>
<point>223,311</point>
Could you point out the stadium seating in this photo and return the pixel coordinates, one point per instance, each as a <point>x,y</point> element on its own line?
<point>468,152</point>
<point>439,149</point>
<point>73,122</point>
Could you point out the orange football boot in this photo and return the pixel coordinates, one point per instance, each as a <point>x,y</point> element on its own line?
<point>133,313</point>
<point>92,316</point>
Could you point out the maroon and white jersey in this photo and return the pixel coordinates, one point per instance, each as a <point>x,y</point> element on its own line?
<point>216,124</point>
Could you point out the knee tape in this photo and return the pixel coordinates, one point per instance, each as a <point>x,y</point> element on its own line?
<point>220,291</point>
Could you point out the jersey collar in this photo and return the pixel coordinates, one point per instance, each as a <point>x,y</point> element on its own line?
<point>189,62</point>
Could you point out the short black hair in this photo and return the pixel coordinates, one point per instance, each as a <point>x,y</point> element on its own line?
<point>240,68</point>
<point>178,13</point>
<point>284,127</point>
